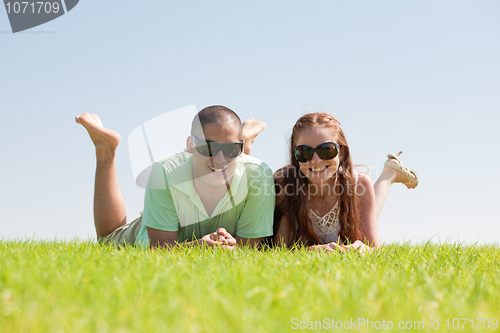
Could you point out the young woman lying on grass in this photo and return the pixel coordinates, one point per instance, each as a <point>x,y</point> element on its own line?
<point>321,202</point>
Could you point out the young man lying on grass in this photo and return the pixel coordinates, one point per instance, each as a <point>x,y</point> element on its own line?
<point>205,195</point>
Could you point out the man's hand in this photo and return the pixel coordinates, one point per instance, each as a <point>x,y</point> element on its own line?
<point>219,238</point>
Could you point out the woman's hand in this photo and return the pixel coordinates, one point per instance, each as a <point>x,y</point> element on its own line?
<point>359,246</point>
<point>330,247</point>
<point>334,247</point>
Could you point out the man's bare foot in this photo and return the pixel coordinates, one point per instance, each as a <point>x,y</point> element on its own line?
<point>251,128</point>
<point>105,140</point>
<point>398,174</point>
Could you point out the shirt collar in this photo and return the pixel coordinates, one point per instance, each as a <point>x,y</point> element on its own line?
<point>182,177</point>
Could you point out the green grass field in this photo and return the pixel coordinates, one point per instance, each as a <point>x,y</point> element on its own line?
<point>84,287</point>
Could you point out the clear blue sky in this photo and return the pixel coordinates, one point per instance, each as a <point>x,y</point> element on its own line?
<point>422,77</point>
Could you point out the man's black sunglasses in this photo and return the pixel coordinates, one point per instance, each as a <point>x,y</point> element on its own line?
<point>325,151</point>
<point>210,148</point>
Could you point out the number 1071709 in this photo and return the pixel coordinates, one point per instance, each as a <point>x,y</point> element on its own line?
<point>33,7</point>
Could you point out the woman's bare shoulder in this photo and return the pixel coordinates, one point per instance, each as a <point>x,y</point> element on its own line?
<point>365,182</point>
<point>364,179</point>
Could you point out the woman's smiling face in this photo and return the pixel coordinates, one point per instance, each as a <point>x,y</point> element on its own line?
<point>316,170</point>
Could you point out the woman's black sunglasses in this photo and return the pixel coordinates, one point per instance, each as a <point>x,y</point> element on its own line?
<point>210,148</point>
<point>325,151</point>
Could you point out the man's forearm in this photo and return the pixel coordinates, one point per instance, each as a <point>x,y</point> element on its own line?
<point>252,242</point>
<point>218,238</point>
<point>171,244</point>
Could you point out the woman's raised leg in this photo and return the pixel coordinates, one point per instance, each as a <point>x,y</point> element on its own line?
<point>390,174</point>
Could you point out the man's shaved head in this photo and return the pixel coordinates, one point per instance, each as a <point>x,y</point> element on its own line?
<point>214,114</point>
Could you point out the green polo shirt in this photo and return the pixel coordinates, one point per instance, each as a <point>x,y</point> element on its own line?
<point>172,204</point>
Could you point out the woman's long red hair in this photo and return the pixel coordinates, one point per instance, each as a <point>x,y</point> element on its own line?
<point>295,206</point>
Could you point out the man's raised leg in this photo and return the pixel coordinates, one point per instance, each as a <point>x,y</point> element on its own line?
<point>109,205</point>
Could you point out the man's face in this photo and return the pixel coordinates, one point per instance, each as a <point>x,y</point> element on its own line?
<point>218,169</point>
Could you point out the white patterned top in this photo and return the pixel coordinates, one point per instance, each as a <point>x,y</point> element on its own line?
<point>327,227</point>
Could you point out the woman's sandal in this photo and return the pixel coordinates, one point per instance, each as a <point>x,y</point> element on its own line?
<point>409,173</point>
